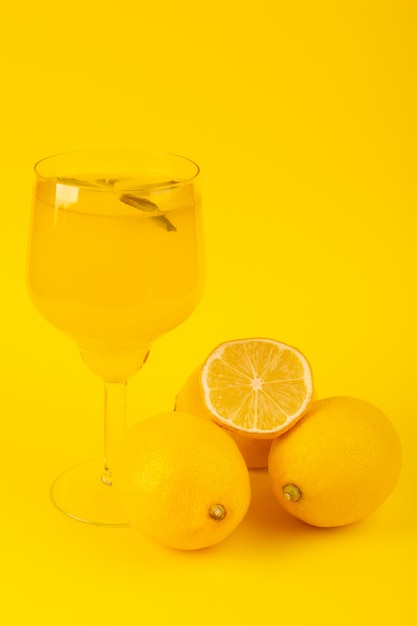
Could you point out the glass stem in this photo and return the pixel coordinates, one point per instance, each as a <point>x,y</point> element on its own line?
<point>114,423</point>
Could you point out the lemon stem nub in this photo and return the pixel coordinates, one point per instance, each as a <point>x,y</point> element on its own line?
<point>291,493</point>
<point>217,512</point>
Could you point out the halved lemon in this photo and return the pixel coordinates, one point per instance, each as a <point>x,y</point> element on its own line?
<point>259,387</point>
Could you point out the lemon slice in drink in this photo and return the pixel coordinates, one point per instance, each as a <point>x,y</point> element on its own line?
<point>258,387</point>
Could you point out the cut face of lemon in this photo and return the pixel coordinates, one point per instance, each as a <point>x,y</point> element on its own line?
<point>259,387</point>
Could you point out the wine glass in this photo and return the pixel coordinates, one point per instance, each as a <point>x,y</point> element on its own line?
<point>115,260</point>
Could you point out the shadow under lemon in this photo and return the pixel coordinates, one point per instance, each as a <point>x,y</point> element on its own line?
<point>275,529</point>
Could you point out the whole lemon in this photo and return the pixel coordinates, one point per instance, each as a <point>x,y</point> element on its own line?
<point>181,480</point>
<point>191,399</point>
<point>338,464</point>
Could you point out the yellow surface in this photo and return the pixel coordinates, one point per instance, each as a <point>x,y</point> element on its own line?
<point>302,117</point>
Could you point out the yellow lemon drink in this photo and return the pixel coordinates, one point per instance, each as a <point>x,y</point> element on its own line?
<point>115,263</point>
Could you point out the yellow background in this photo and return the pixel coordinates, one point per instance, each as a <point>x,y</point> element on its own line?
<point>302,116</point>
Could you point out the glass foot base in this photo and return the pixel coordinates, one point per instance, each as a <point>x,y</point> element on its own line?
<point>80,493</point>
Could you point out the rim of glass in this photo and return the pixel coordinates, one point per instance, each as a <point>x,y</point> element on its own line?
<point>139,151</point>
